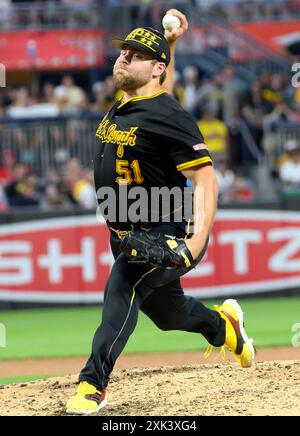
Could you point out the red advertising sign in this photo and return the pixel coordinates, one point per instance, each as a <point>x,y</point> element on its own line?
<point>52,49</point>
<point>249,251</point>
<point>236,41</point>
<point>273,35</point>
<point>69,260</point>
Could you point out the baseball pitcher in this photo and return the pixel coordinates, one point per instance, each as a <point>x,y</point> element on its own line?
<point>147,141</point>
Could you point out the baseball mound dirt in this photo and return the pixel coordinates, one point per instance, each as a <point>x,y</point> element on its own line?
<point>269,388</point>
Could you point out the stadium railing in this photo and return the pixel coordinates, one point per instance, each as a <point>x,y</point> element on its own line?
<point>277,135</point>
<point>50,143</point>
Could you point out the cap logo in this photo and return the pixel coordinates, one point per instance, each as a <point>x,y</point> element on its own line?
<point>145,37</point>
<point>164,56</point>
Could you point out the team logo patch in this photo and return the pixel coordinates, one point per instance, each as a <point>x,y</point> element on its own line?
<point>110,133</point>
<point>200,147</point>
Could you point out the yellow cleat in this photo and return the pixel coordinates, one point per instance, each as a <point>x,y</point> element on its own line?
<point>236,340</point>
<point>87,400</point>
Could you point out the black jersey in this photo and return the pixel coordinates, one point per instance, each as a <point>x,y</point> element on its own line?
<point>146,142</point>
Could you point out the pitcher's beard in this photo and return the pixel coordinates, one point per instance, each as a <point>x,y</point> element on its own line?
<point>128,83</point>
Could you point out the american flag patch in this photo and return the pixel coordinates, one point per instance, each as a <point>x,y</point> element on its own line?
<point>200,147</point>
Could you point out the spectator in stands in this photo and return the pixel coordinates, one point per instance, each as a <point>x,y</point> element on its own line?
<point>225,178</point>
<point>253,110</point>
<point>99,98</point>
<point>146,13</point>
<point>79,186</point>
<point>215,134</point>
<point>53,199</point>
<point>281,112</point>
<point>241,191</point>
<point>178,92</point>
<point>48,93</point>
<point>206,89</point>
<point>231,90</point>
<point>289,172</point>
<point>297,96</point>
<point>273,92</point>
<point>212,95</point>
<point>296,115</point>
<point>289,145</point>
<point>8,168</point>
<point>112,94</point>
<point>223,95</point>
<point>11,187</point>
<point>53,178</point>
<point>21,101</point>
<point>4,101</point>
<point>104,94</point>
<point>69,97</point>
<point>54,196</point>
<point>24,190</point>
<point>191,83</point>
<point>143,12</point>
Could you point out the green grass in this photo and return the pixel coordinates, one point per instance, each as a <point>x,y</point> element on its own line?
<point>24,379</point>
<point>69,332</point>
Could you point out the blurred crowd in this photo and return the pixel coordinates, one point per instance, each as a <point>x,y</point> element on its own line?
<point>229,113</point>
<point>65,98</point>
<point>71,187</point>
<point>16,14</point>
<point>222,105</point>
<point>149,12</point>
<point>249,10</point>
<point>74,13</point>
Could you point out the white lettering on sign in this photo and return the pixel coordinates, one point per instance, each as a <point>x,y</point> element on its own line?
<point>55,261</point>
<point>281,261</point>
<point>18,269</point>
<point>106,259</point>
<point>240,239</point>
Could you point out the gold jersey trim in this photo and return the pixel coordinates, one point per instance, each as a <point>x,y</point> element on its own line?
<point>144,97</point>
<point>192,163</point>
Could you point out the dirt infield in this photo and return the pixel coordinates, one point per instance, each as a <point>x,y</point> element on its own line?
<point>270,388</point>
<point>72,365</point>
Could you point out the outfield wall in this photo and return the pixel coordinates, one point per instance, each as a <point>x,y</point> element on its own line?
<point>67,259</point>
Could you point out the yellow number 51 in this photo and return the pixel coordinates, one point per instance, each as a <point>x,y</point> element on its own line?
<point>128,173</point>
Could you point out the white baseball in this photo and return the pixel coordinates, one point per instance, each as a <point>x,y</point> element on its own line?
<point>170,22</point>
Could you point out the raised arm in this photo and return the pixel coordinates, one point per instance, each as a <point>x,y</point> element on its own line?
<point>172,38</point>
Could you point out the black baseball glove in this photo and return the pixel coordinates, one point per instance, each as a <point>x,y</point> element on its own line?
<point>158,250</point>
